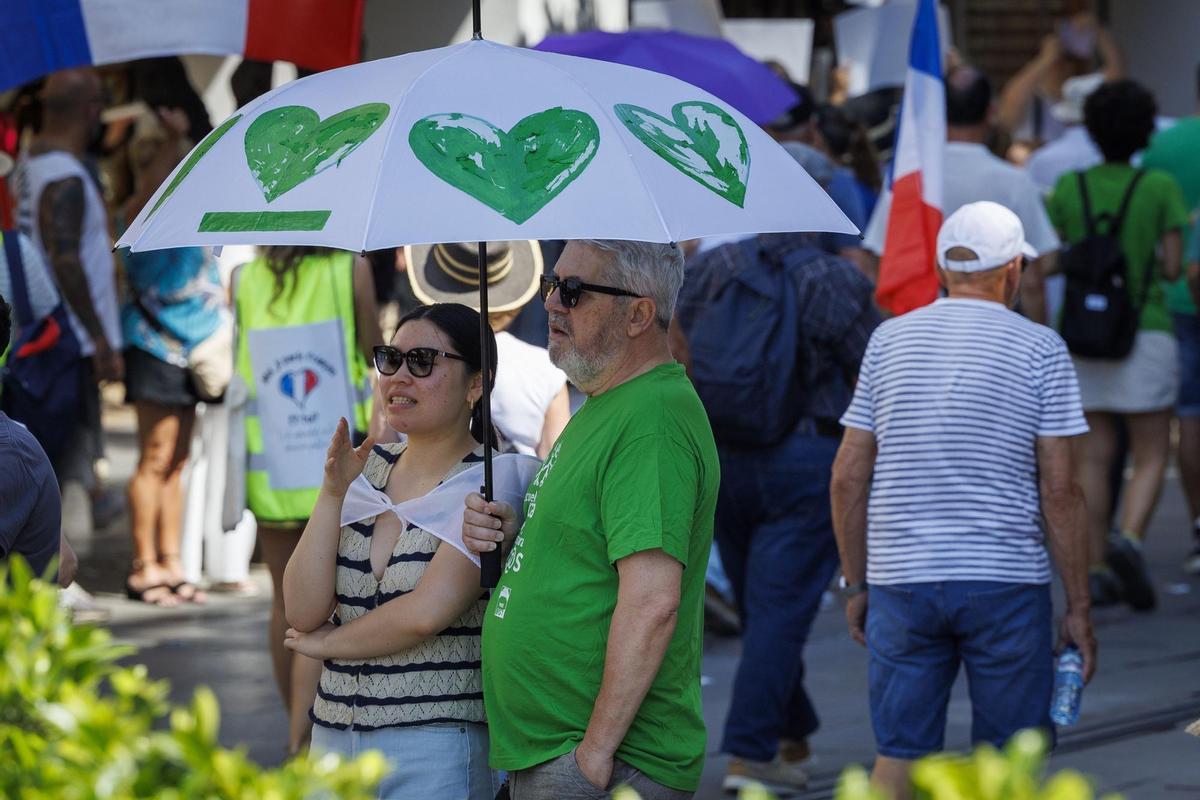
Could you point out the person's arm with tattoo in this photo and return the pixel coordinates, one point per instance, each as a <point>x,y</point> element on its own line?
<point>60,222</point>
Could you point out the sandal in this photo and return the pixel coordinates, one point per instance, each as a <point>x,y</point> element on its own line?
<point>140,594</point>
<point>189,592</point>
<point>165,597</point>
<point>184,589</point>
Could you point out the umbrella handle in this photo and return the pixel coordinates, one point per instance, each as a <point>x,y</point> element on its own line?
<point>489,563</point>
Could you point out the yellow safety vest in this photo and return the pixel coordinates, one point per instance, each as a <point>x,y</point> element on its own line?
<point>319,289</point>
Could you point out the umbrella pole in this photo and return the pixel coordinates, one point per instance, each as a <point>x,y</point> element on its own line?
<point>489,563</point>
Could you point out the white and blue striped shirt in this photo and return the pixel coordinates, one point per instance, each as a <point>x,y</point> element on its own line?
<point>957,394</point>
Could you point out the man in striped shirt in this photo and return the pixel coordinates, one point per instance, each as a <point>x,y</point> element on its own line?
<point>957,448</point>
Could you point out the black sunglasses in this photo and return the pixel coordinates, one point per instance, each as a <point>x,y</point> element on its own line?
<point>569,289</point>
<point>420,360</point>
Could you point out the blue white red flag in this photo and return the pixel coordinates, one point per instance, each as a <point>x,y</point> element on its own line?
<point>907,279</point>
<point>38,37</point>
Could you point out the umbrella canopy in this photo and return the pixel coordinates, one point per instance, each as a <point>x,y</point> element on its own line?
<point>481,142</point>
<point>715,65</point>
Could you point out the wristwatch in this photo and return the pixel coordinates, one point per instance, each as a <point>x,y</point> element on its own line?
<point>847,590</point>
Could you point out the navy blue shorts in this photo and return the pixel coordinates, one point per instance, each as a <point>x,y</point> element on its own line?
<point>1187,333</point>
<point>919,633</point>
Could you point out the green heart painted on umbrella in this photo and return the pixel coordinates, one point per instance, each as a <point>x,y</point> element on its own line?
<point>288,145</point>
<point>701,140</point>
<point>516,172</point>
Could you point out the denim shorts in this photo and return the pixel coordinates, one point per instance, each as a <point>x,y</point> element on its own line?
<point>427,761</point>
<point>1187,332</point>
<point>919,633</point>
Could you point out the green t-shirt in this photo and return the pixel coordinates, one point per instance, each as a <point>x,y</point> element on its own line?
<point>1156,207</point>
<point>635,469</point>
<point>1174,151</point>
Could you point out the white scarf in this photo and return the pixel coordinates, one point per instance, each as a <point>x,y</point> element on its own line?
<point>440,512</point>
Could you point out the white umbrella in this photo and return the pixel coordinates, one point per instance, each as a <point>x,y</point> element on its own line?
<point>481,142</point>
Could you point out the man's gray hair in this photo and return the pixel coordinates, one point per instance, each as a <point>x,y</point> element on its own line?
<point>648,269</point>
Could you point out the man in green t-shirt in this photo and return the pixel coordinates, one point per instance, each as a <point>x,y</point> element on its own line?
<point>592,640</point>
<point>1174,151</point>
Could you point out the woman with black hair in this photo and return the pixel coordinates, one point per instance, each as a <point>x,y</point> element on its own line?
<point>402,656</point>
<point>1141,387</point>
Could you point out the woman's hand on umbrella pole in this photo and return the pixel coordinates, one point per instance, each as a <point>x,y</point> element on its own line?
<point>343,461</point>
<point>487,526</point>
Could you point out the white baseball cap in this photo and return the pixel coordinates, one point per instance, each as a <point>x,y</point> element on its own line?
<point>987,229</point>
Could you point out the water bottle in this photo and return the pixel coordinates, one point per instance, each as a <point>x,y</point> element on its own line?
<point>1068,687</point>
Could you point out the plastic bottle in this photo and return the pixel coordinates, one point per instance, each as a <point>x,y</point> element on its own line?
<point>1068,687</point>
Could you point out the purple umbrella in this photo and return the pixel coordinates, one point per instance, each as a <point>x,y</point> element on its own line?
<point>715,65</point>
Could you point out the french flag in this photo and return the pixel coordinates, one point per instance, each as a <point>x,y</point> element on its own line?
<point>38,37</point>
<point>907,279</point>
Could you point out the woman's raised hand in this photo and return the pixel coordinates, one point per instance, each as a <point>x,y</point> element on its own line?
<point>343,461</point>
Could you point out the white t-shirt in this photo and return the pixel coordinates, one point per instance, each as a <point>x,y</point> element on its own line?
<point>33,174</point>
<point>43,295</point>
<point>957,394</point>
<point>1072,152</point>
<point>972,173</point>
<point>526,384</point>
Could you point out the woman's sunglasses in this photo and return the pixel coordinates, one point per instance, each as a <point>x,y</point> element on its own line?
<point>569,290</point>
<point>420,360</point>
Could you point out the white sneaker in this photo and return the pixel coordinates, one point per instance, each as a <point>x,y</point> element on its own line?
<point>82,605</point>
<point>780,777</point>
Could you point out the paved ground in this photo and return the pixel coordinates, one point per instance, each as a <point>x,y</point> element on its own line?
<point>1130,737</point>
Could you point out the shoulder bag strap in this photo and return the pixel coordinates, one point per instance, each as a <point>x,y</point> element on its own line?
<point>1124,207</point>
<point>16,271</point>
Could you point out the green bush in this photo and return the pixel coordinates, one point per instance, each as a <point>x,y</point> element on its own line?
<point>74,725</point>
<point>986,774</point>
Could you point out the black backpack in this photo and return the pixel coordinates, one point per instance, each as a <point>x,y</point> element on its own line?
<point>1100,315</point>
<point>740,313</point>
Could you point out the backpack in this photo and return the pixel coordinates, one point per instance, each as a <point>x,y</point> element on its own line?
<point>740,313</point>
<point>42,378</point>
<point>1099,315</point>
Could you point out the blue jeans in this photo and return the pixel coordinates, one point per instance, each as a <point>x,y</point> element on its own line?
<point>438,760</point>
<point>775,534</point>
<point>918,633</point>
<point>1187,332</point>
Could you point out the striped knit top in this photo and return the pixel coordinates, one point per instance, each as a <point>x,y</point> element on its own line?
<point>435,681</point>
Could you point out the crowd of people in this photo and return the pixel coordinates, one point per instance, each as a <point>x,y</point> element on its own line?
<point>927,462</point>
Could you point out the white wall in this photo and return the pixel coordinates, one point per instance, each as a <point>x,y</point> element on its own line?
<point>1161,40</point>
<point>392,27</point>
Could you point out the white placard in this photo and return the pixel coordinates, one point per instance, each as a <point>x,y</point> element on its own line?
<point>788,41</point>
<point>301,385</point>
<point>701,17</point>
<point>873,43</point>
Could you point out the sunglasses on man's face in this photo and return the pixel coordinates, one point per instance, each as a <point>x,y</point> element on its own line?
<point>420,360</point>
<point>569,290</point>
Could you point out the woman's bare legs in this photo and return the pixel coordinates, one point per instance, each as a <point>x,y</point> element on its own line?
<point>1094,452</point>
<point>170,517</point>
<point>158,432</point>
<point>1150,446</point>
<point>296,676</point>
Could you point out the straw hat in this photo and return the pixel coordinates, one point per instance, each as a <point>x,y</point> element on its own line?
<point>449,273</point>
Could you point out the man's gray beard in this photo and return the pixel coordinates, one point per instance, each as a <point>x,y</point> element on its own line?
<point>583,369</point>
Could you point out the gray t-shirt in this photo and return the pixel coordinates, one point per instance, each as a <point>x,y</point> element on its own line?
<point>30,507</point>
